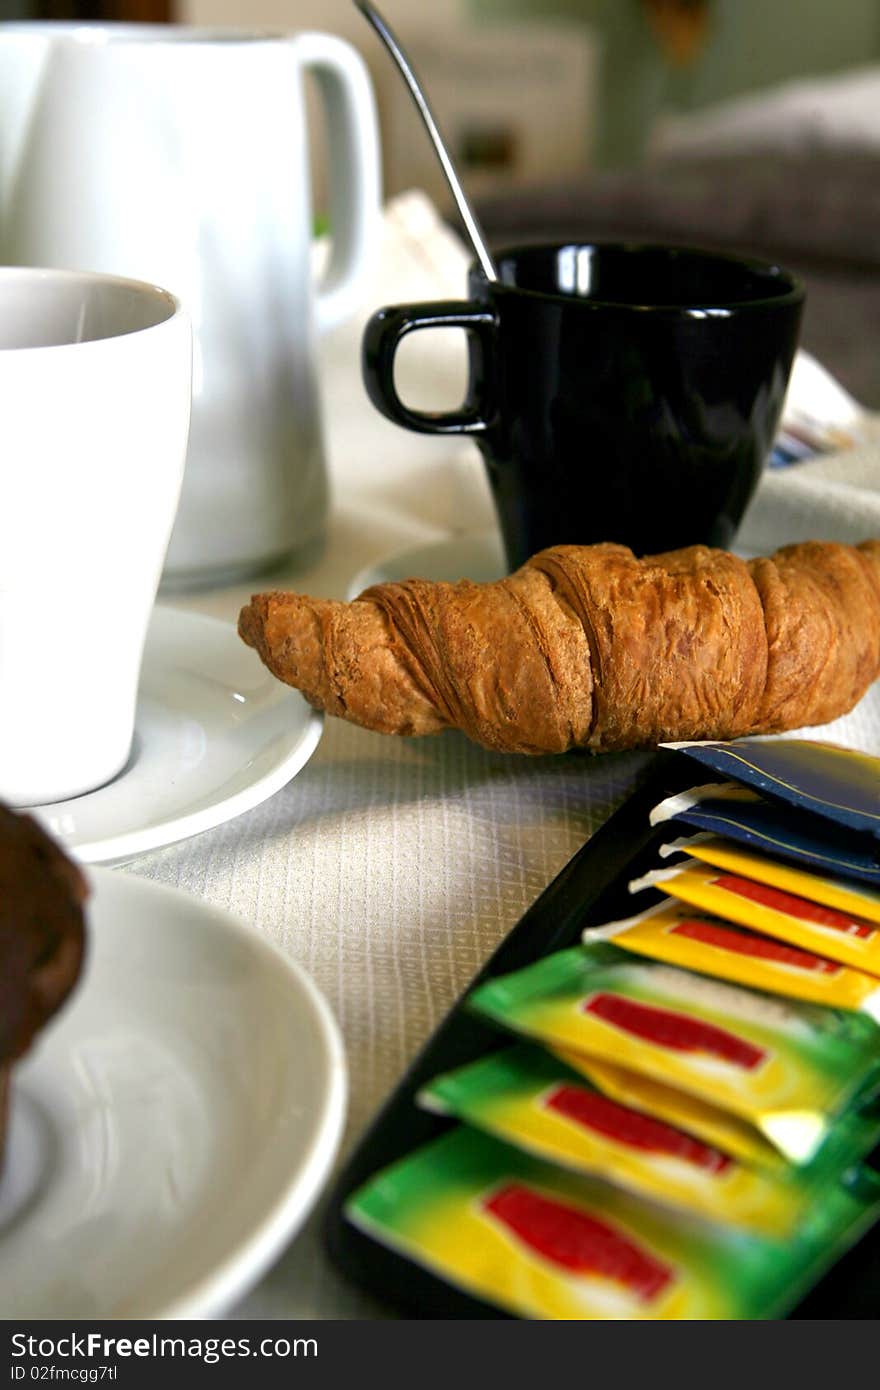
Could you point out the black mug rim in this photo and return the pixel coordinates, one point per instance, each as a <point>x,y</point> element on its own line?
<point>793,296</point>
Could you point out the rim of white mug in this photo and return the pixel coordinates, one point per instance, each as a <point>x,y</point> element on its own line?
<point>145,288</point>
<point>87,31</point>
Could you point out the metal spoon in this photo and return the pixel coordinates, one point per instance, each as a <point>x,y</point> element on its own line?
<point>474,231</point>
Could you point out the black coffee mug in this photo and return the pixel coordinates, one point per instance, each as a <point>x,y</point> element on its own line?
<point>617,392</point>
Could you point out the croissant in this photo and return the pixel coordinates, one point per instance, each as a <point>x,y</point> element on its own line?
<point>589,647</point>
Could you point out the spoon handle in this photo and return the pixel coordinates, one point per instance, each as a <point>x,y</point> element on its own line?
<point>466,212</point>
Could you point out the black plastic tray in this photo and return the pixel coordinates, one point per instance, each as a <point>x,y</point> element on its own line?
<point>592,888</point>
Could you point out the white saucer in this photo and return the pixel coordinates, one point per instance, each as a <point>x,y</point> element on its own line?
<point>174,1125</point>
<point>476,556</point>
<point>215,734</point>
<point>479,556</point>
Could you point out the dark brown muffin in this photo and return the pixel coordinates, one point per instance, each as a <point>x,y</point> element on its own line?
<point>42,936</point>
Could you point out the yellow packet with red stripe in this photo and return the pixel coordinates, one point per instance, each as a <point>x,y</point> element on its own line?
<point>857,900</point>
<point>698,1117</point>
<point>841,936</point>
<point>710,946</point>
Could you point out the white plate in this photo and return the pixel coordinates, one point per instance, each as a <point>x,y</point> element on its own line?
<point>174,1125</point>
<point>215,734</point>
<point>479,556</point>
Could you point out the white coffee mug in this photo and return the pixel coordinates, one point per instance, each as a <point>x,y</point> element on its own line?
<point>95,388</point>
<point>180,155</point>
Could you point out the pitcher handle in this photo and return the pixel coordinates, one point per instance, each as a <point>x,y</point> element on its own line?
<point>353,165</point>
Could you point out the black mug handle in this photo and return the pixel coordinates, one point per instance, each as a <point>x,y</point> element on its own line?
<point>382,337</point>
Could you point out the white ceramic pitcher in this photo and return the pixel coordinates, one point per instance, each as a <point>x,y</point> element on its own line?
<point>180,156</point>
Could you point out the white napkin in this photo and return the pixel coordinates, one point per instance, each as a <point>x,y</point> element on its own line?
<point>832,498</point>
<point>420,259</point>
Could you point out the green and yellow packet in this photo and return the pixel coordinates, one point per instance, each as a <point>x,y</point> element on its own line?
<point>838,784</point>
<point>768,827</point>
<point>539,1242</point>
<point>698,941</point>
<point>786,1067</point>
<point>852,1136</point>
<point>698,1117</point>
<point>534,1102</point>
<point>845,937</point>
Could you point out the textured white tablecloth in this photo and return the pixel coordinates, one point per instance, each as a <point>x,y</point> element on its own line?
<point>391,868</point>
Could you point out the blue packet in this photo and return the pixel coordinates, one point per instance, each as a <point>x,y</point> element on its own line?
<point>773,828</point>
<point>841,785</point>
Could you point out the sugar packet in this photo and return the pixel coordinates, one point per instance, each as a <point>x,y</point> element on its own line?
<point>854,1134</point>
<point>532,1100</point>
<point>699,1117</point>
<point>539,1242</point>
<point>847,937</point>
<point>787,1067</point>
<point>838,784</point>
<point>773,828</point>
<point>856,899</point>
<point>673,933</point>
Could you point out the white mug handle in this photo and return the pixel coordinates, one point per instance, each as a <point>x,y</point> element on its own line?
<point>353,164</point>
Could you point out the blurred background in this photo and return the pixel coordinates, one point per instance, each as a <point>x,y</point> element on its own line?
<point>748,124</point>
<point>530,87</point>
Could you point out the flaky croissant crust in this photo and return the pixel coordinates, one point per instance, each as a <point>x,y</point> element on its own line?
<point>589,647</point>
